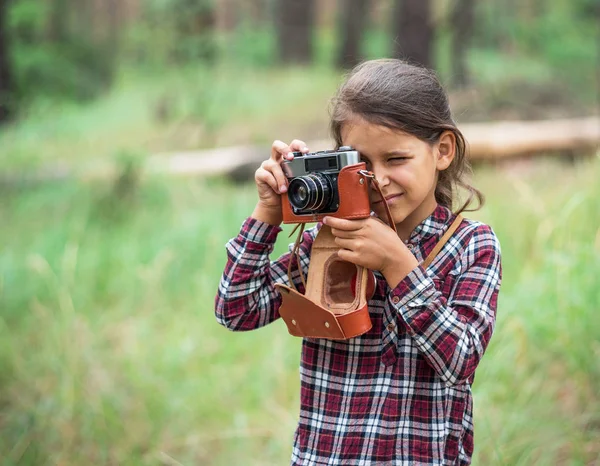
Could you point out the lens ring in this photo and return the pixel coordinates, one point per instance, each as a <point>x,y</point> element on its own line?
<point>319,191</point>
<point>313,192</point>
<point>295,199</point>
<point>324,190</point>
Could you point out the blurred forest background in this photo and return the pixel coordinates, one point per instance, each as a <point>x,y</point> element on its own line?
<point>109,350</point>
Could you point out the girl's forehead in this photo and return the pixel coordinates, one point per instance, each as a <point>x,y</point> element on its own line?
<point>375,141</point>
<point>359,131</point>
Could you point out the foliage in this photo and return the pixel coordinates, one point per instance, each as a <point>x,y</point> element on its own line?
<point>561,35</point>
<point>71,65</point>
<point>78,62</point>
<point>174,32</point>
<point>110,353</point>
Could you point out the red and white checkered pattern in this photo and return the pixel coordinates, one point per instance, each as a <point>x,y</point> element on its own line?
<point>401,393</point>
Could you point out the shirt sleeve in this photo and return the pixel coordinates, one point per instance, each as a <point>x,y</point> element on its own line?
<point>453,333</point>
<point>247,298</point>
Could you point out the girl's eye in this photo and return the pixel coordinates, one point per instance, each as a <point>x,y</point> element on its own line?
<point>398,159</point>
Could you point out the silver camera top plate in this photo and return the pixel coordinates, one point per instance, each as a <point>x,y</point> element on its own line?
<point>323,162</point>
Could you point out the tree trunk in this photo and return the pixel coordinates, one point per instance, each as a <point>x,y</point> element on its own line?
<point>113,20</point>
<point>295,19</point>
<point>352,27</point>
<point>413,31</point>
<point>462,21</point>
<point>112,40</point>
<point>226,15</point>
<point>58,21</point>
<point>84,19</point>
<point>131,10</point>
<point>258,11</point>
<point>5,66</point>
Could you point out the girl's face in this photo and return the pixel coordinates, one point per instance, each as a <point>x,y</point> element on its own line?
<point>405,167</point>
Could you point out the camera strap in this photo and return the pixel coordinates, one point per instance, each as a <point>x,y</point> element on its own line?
<point>370,176</point>
<point>295,254</point>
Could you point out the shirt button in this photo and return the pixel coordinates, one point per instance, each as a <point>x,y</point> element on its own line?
<point>395,299</point>
<point>391,327</point>
<point>410,247</point>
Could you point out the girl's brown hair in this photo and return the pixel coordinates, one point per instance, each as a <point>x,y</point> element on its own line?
<point>410,98</point>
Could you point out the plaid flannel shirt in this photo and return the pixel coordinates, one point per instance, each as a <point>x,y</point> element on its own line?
<point>401,393</point>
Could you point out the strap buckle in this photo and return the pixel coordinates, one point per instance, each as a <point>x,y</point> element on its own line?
<point>367,174</point>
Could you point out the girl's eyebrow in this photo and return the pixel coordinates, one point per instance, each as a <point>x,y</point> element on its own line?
<point>401,152</point>
<point>398,152</point>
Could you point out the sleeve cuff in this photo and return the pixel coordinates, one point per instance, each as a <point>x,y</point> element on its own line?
<point>414,291</point>
<point>256,231</point>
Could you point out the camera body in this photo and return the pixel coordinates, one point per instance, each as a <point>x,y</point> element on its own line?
<point>325,183</point>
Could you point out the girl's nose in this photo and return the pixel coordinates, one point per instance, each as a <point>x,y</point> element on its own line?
<point>381,178</point>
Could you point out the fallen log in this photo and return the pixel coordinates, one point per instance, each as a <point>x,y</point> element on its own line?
<point>487,142</point>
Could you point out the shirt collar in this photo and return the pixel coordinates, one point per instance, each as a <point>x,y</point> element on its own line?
<point>432,225</point>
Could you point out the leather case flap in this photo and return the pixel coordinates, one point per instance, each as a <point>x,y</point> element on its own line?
<point>305,318</point>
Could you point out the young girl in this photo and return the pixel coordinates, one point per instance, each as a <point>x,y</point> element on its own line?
<point>401,393</point>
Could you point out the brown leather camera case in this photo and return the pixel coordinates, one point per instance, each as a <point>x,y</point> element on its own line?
<point>335,303</point>
<point>353,193</point>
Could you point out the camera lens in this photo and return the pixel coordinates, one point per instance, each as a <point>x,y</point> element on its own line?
<point>311,192</point>
<point>302,194</point>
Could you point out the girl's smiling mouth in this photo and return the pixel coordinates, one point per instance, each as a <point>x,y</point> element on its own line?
<point>390,198</point>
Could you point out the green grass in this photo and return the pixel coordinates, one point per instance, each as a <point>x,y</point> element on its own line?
<point>109,350</point>
<point>110,353</point>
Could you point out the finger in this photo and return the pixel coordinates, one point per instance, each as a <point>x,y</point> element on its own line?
<point>345,243</point>
<point>343,233</point>
<point>280,151</point>
<point>298,145</point>
<point>348,256</point>
<point>280,179</point>
<point>266,177</point>
<point>344,224</point>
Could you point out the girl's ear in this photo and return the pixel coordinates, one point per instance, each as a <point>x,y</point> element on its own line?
<point>446,149</point>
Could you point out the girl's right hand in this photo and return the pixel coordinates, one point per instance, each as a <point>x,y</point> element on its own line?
<point>270,179</point>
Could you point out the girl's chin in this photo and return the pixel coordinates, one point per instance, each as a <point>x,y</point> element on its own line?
<point>380,213</point>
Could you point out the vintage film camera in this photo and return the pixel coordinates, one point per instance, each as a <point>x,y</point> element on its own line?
<point>334,302</point>
<point>325,183</point>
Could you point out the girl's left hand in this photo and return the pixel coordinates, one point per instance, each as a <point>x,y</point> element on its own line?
<point>372,244</point>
